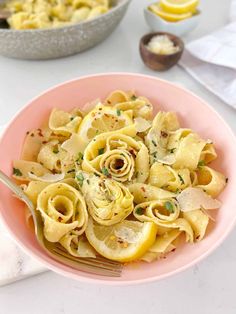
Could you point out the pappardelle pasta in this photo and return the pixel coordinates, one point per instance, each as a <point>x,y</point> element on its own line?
<point>110,180</point>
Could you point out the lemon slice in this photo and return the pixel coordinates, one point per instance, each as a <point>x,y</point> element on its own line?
<point>171,17</point>
<point>124,242</point>
<point>102,119</point>
<point>179,6</point>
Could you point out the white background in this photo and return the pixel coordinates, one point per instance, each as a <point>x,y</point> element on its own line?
<point>207,288</point>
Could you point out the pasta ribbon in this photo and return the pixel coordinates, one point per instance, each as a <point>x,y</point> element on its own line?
<point>198,221</point>
<point>77,246</point>
<point>63,209</point>
<point>174,180</point>
<point>117,156</point>
<point>64,123</point>
<point>158,136</point>
<point>210,180</point>
<point>145,193</point>
<point>162,246</point>
<point>109,202</point>
<point>164,213</point>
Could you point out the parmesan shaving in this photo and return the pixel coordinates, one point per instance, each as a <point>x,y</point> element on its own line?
<point>194,198</point>
<point>48,177</point>
<point>168,159</point>
<point>141,124</point>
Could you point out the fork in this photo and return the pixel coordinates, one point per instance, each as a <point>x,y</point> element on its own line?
<point>99,265</point>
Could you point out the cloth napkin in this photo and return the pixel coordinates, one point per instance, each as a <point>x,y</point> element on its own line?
<point>14,263</point>
<point>212,60</point>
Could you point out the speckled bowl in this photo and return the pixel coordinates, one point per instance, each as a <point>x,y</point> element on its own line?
<point>63,41</point>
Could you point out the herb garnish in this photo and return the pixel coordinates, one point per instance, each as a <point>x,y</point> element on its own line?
<point>72,170</point>
<point>133,97</point>
<point>168,205</point>
<point>154,143</point>
<point>118,112</point>
<point>72,118</point>
<point>79,158</point>
<point>101,151</point>
<point>139,211</point>
<point>201,163</point>
<point>105,171</point>
<point>55,150</point>
<point>17,172</point>
<point>172,150</point>
<point>80,178</point>
<point>181,179</point>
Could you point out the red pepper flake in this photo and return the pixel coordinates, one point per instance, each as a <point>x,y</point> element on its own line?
<point>28,132</point>
<point>197,237</point>
<point>40,132</point>
<point>173,250</point>
<point>109,102</point>
<point>59,219</point>
<point>44,142</point>
<point>143,189</point>
<point>164,134</point>
<point>54,171</point>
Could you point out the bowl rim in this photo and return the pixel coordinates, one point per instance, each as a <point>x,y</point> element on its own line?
<point>184,21</point>
<point>156,278</point>
<point>120,4</point>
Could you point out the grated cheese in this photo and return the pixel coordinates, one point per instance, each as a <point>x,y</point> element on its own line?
<point>161,44</point>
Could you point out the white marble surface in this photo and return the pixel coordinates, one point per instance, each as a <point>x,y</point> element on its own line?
<point>207,288</point>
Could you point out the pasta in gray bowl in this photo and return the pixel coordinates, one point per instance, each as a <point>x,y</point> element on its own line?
<point>49,43</point>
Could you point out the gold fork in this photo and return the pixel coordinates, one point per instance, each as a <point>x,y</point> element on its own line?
<point>99,265</point>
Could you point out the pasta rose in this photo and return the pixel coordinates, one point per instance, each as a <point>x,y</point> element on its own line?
<point>117,156</point>
<point>63,209</point>
<point>109,202</point>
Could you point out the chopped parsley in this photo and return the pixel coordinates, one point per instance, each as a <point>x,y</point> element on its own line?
<point>97,175</point>
<point>169,206</point>
<point>139,211</point>
<point>17,172</point>
<point>88,181</point>
<point>201,163</point>
<point>72,118</point>
<point>181,179</point>
<point>70,171</point>
<point>118,112</point>
<point>55,150</point>
<point>105,171</point>
<point>80,178</point>
<point>133,97</point>
<point>79,158</point>
<point>172,150</point>
<point>101,151</point>
<point>154,143</point>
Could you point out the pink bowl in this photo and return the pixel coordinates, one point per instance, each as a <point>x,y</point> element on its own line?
<point>193,113</point>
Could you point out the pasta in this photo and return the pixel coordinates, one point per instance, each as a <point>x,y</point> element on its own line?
<point>110,180</point>
<point>53,13</point>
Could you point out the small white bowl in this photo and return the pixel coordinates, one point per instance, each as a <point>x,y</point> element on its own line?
<point>157,24</point>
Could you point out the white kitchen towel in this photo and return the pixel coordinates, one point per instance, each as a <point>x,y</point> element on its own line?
<point>14,263</point>
<point>212,60</point>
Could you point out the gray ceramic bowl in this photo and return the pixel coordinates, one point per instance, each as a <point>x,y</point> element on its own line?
<point>63,41</point>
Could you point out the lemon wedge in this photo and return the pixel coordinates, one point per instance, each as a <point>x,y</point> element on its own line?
<point>171,17</point>
<point>102,119</point>
<point>124,242</point>
<point>179,6</point>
